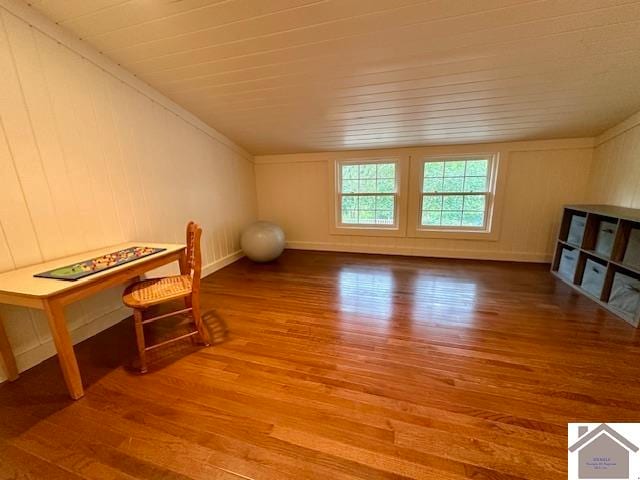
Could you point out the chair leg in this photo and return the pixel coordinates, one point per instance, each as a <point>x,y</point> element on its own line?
<point>187,304</point>
<point>197,317</point>
<point>142,354</point>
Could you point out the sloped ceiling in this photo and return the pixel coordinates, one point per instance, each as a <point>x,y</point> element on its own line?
<point>282,76</point>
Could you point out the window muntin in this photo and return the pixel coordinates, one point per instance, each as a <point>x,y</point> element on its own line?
<point>456,193</point>
<point>368,193</point>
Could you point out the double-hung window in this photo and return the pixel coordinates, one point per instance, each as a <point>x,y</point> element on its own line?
<point>457,193</point>
<point>416,196</point>
<point>367,193</point>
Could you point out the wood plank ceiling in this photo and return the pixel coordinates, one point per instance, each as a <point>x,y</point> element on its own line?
<point>283,76</point>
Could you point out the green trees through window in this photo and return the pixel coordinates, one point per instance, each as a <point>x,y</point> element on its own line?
<point>454,193</point>
<point>368,193</point>
<point>443,193</point>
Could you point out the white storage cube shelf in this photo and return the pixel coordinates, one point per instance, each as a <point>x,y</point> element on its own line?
<point>598,254</point>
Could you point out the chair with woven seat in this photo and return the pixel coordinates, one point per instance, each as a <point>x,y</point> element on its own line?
<point>147,293</point>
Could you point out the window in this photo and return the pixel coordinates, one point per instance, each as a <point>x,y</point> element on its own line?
<point>456,193</point>
<point>419,196</point>
<point>368,193</point>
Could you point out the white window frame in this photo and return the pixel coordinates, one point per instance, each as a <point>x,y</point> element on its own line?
<point>398,228</point>
<point>488,231</point>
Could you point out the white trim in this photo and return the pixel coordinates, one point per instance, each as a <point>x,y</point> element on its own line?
<point>490,193</point>
<point>507,256</point>
<point>44,25</point>
<point>399,227</point>
<point>33,356</point>
<point>435,150</point>
<point>221,263</point>
<point>497,182</point>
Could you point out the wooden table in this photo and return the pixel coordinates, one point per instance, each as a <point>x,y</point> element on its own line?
<point>20,287</point>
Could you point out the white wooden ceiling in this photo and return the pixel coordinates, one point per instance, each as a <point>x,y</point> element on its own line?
<point>282,76</point>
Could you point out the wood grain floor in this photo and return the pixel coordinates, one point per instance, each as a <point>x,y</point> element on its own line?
<point>340,366</point>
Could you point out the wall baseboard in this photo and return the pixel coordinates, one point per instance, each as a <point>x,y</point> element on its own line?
<point>422,252</point>
<point>221,263</point>
<point>32,357</point>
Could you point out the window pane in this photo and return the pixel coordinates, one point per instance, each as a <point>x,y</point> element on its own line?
<point>384,202</point>
<point>368,209</point>
<point>474,203</point>
<point>431,218</point>
<point>384,217</point>
<point>386,170</point>
<point>430,202</point>
<point>350,172</point>
<point>386,185</point>
<point>475,184</point>
<point>460,177</point>
<point>477,168</point>
<point>368,170</point>
<point>367,203</point>
<point>432,185</point>
<point>454,184</point>
<point>349,203</point>
<point>473,219</point>
<point>367,186</point>
<point>433,169</point>
<point>377,181</point>
<point>451,218</point>
<point>350,186</point>
<point>452,202</point>
<point>454,168</point>
<point>366,216</point>
<point>349,216</point>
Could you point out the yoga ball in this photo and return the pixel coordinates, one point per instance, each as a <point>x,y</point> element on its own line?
<point>262,241</point>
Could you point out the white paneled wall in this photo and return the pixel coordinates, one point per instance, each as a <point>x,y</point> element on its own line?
<point>294,190</point>
<point>615,177</point>
<point>88,160</point>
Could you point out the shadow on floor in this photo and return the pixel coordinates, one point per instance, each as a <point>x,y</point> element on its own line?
<point>41,392</point>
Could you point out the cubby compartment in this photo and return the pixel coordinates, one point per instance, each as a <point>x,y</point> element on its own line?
<point>568,262</point>
<point>599,235</point>
<point>593,277</point>
<point>625,294</point>
<point>627,248</point>
<point>605,236</point>
<point>631,254</point>
<point>576,227</point>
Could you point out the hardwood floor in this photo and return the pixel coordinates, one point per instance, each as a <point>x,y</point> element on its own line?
<point>340,366</point>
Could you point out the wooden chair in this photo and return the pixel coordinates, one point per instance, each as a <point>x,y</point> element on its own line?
<point>142,295</point>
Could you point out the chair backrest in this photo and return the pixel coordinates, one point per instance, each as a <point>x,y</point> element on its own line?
<point>194,257</point>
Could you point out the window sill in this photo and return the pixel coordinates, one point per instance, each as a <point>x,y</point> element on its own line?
<point>487,235</point>
<point>368,231</point>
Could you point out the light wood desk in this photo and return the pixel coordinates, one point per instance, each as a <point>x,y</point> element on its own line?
<point>20,287</point>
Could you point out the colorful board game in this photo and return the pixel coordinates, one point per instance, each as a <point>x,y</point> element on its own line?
<point>99,264</point>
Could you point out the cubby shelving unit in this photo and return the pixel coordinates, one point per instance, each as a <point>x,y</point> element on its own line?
<point>598,254</point>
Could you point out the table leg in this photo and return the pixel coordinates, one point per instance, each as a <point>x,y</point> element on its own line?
<point>62,341</point>
<point>6,355</point>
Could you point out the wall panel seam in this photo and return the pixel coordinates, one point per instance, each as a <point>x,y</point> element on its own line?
<point>19,180</point>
